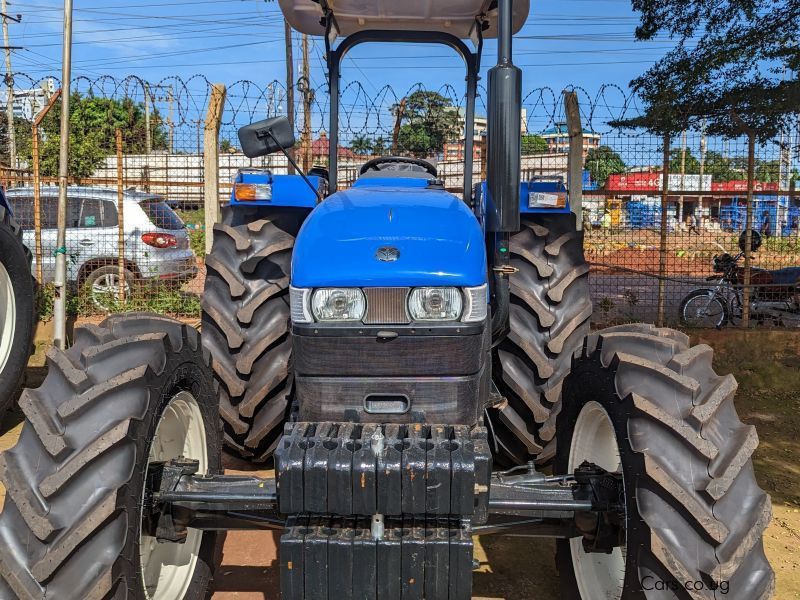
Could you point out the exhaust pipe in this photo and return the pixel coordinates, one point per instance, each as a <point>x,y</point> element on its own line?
<point>503,166</point>
<point>504,135</point>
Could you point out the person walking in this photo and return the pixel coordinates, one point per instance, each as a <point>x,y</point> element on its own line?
<point>766,224</point>
<point>691,224</point>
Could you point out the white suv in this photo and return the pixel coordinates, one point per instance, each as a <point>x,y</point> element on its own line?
<point>156,244</point>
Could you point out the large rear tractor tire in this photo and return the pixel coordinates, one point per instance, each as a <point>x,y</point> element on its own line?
<point>246,325</point>
<point>134,390</point>
<point>643,403</point>
<point>549,317</point>
<point>17,308</point>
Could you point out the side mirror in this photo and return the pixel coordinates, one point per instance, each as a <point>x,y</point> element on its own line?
<point>265,137</point>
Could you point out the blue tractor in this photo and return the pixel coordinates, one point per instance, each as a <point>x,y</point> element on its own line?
<point>409,358</point>
<point>17,306</point>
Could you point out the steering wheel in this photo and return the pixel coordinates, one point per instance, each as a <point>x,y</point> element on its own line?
<point>381,160</point>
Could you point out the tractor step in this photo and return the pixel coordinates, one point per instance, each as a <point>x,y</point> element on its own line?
<point>351,469</point>
<point>326,559</point>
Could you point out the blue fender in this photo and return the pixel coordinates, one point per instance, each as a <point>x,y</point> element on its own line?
<point>287,190</point>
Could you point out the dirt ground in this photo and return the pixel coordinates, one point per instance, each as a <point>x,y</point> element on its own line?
<point>767,366</point>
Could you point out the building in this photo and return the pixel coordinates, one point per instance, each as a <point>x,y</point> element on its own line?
<point>28,103</point>
<point>557,138</point>
<point>718,204</point>
<point>319,151</point>
<point>455,150</point>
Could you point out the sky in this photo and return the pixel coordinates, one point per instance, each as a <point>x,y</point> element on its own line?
<point>586,43</point>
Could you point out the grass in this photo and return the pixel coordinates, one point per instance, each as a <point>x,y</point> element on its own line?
<point>164,300</point>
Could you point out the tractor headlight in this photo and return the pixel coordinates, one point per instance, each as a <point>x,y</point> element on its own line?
<point>435,304</point>
<point>338,304</point>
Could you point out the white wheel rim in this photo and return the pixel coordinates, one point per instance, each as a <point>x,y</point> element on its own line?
<point>8,316</point>
<point>599,576</point>
<point>168,568</point>
<point>107,286</point>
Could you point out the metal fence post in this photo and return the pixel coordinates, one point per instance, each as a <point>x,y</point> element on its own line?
<point>120,217</point>
<point>60,279</point>
<point>216,105</point>
<point>662,250</point>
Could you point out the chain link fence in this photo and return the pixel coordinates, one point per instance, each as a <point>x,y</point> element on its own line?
<point>141,153</point>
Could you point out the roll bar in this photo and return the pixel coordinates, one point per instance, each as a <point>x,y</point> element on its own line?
<point>471,59</point>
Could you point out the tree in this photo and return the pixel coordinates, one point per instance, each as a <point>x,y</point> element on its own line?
<point>720,168</point>
<point>533,144</point>
<point>602,162</point>
<point>690,164</point>
<point>361,145</point>
<point>729,61</point>
<point>379,146</point>
<point>226,146</point>
<point>93,123</point>
<point>427,121</point>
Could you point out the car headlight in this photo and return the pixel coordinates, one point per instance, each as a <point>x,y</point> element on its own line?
<point>338,304</point>
<point>435,304</point>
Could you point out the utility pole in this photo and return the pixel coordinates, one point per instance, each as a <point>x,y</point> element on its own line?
<point>12,137</point>
<point>148,142</point>
<point>287,31</point>
<point>170,121</point>
<point>308,97</point>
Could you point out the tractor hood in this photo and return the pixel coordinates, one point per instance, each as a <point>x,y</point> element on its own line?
<point>379,235</point>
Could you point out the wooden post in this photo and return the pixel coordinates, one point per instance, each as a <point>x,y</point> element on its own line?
<point>308,96</point>
<point>748,227</point>
<point>748,221</point>
<point>37,192</point>
<point>662,251</point>
<point>120,217</point>
<point>216,105</point>
<point>575,157</point>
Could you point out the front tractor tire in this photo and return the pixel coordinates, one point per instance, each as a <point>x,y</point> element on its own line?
<point>549,317</point>
<point>246,324</point>
<point>645,404</point>
<point>17,309</point>
<point>132,391</point>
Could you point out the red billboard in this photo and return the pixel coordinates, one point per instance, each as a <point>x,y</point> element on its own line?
<point>740,185</point>
<point>634,182</point>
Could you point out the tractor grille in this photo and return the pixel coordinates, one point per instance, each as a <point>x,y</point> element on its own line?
<point>386,305</point>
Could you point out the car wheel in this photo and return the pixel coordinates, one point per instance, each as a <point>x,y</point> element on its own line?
<point>103,285</point>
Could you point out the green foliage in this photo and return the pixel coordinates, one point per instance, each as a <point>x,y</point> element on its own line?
<point>93,123</point>
<point>361,145</point>
<point>226,146</point>
<point>427,121</point>
<point>533,144</point>
<point>729,61</point>
<point>690,163</point>
<point>195,227</point>
<point>380,146</point>
<point>720,168</point>
<point>602,162</point>
<point>197,241</point>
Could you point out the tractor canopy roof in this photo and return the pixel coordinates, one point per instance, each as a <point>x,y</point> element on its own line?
<point>457,17</point>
